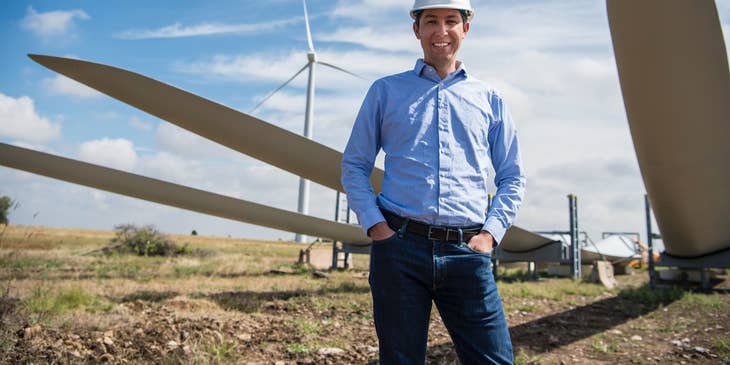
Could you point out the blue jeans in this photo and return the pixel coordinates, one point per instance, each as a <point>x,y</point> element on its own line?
<point>408,272</point>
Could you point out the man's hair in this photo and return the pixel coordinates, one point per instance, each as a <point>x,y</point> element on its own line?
<point>418,13</point>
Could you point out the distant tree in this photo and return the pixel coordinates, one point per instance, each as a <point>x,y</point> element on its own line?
<point>5,204</point>
<point>194,233</point>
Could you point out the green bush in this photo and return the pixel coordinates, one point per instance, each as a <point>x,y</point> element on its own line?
<point>145,241</point>
<point>5,204</point>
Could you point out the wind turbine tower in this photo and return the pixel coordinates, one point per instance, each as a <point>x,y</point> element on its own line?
<point>303,204</point>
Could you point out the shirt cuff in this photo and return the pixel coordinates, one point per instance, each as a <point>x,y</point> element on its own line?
<point>370,218</point>
<point>495,228</point>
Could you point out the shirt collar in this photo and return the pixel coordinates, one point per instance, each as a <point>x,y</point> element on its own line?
<point>421,66</point>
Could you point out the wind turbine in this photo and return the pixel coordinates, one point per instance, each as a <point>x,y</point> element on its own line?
<point>303,203</point>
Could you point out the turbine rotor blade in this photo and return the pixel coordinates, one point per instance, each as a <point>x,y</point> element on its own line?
<point>228,127</point>
<point>277,89</point>
<point>306,22</point>
<point>341,69</point>
<point>673,69</point>
<point>238,131</point>
<point>175,195</point>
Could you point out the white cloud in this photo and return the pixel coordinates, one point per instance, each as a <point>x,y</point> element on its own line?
<point>101,199</point>
<point>179,141</point>
<point>19,120</point>
<point>138,124</point>
<point>393,38</point>
<point>177,30</point>
<point>114,153</point>
<point>107,115</point>
<point>173,168</point>
<point>52,23</point>
<point>62,85</point>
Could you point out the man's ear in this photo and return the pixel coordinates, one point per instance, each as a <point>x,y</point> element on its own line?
<point>415,30</point>
<point>466,28</point>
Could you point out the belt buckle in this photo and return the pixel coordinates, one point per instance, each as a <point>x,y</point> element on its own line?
<point>433,232</point>
<point>430,233</point>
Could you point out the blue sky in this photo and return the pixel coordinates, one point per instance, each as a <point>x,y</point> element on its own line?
<point>552,60</point>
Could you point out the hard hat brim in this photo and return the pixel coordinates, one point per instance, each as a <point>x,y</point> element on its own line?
<point>469,12</point>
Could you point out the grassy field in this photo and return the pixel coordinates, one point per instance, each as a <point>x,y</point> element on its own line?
<point>234,301</point>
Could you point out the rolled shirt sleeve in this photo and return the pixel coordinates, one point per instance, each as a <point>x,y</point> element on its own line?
<point>358,161</point>
<point>509,174</point>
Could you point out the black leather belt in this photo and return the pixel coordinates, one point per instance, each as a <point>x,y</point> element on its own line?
<point>436,233</point>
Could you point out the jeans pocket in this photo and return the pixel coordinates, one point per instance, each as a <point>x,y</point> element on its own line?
<point>466,246</point>
<point>383,241</point>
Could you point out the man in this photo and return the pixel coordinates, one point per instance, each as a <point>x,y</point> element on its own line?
<point>440,128</point>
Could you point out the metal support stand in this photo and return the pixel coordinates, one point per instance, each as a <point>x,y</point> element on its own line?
<point>334,242</point>
<point>575,260</point>
<point>703,264</point>
<point>705,280</point>
<point>718,260</point>
<point>347,259</point>
<point>650,243</point>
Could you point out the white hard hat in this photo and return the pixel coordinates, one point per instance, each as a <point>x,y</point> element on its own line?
<point>464,5</point>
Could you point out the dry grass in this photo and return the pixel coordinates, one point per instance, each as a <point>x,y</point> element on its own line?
<point>45,238</point>
<point>31,256</point>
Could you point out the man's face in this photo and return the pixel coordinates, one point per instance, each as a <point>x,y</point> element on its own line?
<point>440,32</point>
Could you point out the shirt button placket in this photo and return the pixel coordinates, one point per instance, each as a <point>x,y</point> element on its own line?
<point>443,132</point>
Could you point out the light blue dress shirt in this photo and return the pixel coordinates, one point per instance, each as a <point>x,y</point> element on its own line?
<point>439,137</point>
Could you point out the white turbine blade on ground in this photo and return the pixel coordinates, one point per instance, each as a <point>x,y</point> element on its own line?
<point>175,195</point>
<point>277,89</point>
<point>231,128</point>
<point>184,197</point>
<point>341,69</point>
<point>306,22</point>
<point>675,82</point>
<point>519,240</point>
<point>612,248</point>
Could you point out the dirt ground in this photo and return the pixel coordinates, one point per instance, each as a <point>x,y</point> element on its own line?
<point>243,302</point>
